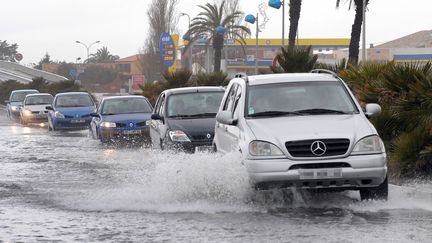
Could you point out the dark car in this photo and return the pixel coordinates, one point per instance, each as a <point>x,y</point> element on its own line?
<point>122,118</point>
<point>71,111</point>
<point>184,118</point>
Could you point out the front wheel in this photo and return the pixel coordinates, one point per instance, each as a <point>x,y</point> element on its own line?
<point>375,193</point>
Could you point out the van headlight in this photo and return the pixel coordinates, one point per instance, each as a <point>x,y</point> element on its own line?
<point>108,125</point>
<point>58,115</point>
<point>14,108</point>
<point>369,145</point>
<point>27,112</point>
<point>178,136</point>
<point>261,148</point>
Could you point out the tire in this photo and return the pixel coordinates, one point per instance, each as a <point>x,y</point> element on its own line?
<point>162,145</point>
<point>375,193</point>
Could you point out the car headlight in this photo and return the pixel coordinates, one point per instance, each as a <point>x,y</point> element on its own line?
<point>178,136</point>
<point>148,122</point>
<point>27,112</point>
<point>108,124</point>
<point>14,108</point>
<point>58,115</point>
<point>369,145</point>
<point>261,148</point>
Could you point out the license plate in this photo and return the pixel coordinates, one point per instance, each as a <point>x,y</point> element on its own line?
<point>131,132</point>
<point>78,121</point>
<point>307,174</point>
<point>203,149</point>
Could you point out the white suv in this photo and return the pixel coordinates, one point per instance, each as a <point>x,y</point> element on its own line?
<point>302,130</point>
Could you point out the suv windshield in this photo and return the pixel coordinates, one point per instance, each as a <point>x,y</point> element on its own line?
<point>75,100</point>
<point>39,100</point>
<point>299,98</point>
<point>197,104</point>
<point>20,96</point>
<point>125,106</point>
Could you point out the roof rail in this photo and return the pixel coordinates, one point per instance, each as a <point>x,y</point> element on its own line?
<point>243,76</point>
<point>326,71</point>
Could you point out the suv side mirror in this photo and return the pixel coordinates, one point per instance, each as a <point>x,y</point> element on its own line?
<point>49,108</point>
<point>225,117</point>
<point>157,117</point>
<point>372,110</point>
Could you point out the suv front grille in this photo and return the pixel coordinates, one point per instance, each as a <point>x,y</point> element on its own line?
<point>333,147</point>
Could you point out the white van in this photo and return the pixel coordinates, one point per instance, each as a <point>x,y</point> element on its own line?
<point>302,130</point>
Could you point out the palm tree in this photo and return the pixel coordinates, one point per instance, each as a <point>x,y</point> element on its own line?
<point>212,23</point>
<point>295,60</point>
<point>355,30</point>
<point>294,16</point>
<point>102,55</point>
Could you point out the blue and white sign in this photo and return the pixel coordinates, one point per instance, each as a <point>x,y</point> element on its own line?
<point>167,49</point>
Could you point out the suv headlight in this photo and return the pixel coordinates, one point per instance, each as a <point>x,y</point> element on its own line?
<point>108,124</point>
<point>27,112</point>
<point>178,136</point>
<point>369,145</point>
<point>58,115</point>
<point>261,148</point>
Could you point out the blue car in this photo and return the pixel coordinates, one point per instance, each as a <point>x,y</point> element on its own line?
<point>71,111</point>
<point>122,118</point>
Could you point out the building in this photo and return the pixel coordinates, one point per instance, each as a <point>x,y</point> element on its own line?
<point>238,58</point>
<point>416,47</point>
<point>23,74</point>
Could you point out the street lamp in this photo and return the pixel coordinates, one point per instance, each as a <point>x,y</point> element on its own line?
<point>254,20</point>
<point>187,37</point>
<point>87,47</point>
<point>277,4</point>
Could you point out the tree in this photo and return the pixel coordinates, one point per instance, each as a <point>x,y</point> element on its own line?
<point>213,24</point>
<point>355,30</point>
<point>102,55</point>
<point>294,16</point>
<point>295,60</point>
<point>45,60</point>
<point>8,52</point>
<point>161,15</point>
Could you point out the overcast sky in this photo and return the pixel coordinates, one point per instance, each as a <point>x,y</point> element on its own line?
<point>53,26</point>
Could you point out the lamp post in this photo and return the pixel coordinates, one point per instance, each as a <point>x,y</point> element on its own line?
<point>187,37</point>
<point>254,20</point>
<point>277,4</point>
<point>87,46</point>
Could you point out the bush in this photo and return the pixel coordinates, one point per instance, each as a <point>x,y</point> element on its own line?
<point>212,79</point>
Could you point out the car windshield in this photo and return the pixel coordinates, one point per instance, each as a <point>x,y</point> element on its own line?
<point>39,100</point>
<point>83,100</point>
<point>194,104</point>
<point>20,96</point>
<point>125,106</point>
<point>299,98</point>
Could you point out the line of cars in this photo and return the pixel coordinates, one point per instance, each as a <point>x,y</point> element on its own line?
<point>292,130</point>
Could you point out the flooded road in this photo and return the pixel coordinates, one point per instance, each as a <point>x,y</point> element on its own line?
<point>65,187</point>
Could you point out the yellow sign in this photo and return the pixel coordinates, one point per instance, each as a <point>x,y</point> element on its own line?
<point>176,43</point>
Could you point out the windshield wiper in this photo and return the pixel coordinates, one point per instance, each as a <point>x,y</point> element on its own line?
<point>202,114</point>
<point>276,113</point>
<point>322,111</point>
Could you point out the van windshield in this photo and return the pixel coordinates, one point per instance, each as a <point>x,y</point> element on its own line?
<point>197,104</point>
<point>299,98</point>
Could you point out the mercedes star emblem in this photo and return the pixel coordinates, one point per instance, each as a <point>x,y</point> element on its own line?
<point>318,148</point>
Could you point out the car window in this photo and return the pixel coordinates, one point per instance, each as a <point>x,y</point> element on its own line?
<point>20,96</point>
<point>161,108</point>
<point>230,100</point>
<point>197,103</point>
<point>300,96</point>
<point>75,100</point>
<point>39,100</point>
<point>125,106</point>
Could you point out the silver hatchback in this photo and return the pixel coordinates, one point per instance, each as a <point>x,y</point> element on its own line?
<point>302,130</point>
